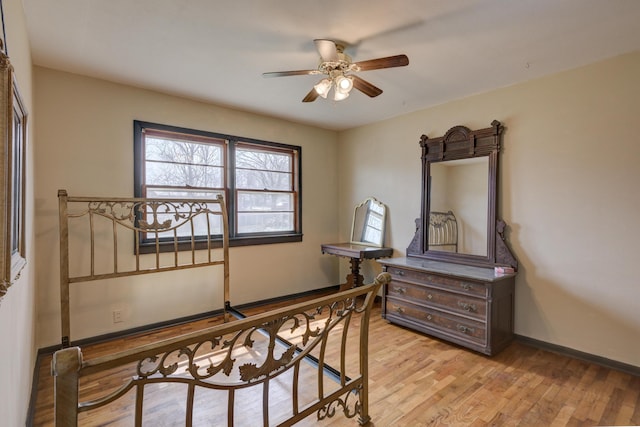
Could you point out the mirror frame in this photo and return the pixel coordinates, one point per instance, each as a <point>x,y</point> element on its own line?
<point>460,142</point>
<point>366,202</point>
<point>13,133</point>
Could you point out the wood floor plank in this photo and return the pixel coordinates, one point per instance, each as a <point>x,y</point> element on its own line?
<point>416,380</point>
<point>634,384</point>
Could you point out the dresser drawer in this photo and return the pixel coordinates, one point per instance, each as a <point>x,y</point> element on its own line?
<point>458,303</point>
<point>437,321</point>
<point>454,284</point>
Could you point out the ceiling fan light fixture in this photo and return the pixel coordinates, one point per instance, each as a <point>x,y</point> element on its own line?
<point>344,84</point>
<point>323,87</point>
<point>339,96</point>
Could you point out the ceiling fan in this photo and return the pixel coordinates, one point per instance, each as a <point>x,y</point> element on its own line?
<point>339,70</point>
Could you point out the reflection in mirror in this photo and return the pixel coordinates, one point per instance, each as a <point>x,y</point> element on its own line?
<point>443,231</point>
<point>459,206</point>
<point>368,225</point>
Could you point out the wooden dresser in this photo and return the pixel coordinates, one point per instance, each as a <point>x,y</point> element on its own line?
<point>466,305</point>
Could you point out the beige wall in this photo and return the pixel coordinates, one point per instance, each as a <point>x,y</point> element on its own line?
<point>86,147</point>
<point>18,307</point>
<point>569,191</point>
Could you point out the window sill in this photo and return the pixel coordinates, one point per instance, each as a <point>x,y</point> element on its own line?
<point>150,248</point>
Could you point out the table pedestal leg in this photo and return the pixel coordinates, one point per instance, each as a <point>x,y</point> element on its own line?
<point>354,278</point>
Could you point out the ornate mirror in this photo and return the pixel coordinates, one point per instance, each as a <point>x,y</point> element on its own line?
<point>458,220</point>
<point>368,227</point>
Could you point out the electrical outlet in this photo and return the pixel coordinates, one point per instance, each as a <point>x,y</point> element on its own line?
<point>117,316</point>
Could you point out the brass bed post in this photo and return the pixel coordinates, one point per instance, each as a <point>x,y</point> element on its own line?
<point>115,245</point>
<point>225,255</point>
<point>64,268</point>
<point>65,367</point>
<point>380,280</point>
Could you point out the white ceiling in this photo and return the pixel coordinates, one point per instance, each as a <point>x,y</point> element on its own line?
<point>217,50</point>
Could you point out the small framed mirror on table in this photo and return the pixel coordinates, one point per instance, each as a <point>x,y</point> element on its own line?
<point>367,240</point>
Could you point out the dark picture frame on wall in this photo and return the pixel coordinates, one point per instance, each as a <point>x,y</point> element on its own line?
<point>13,138</point>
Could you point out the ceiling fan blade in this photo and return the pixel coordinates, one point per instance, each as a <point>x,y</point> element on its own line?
<point>311,96</point>
<point>366,87</point>
<point>327,50</point>
<point>388,62</point>
<point>290,73</point>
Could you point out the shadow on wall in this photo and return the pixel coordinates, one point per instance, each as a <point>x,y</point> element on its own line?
<point>370,269</point>
<point>330,270</point>
<point>48,270</point>
<point>550,312</point>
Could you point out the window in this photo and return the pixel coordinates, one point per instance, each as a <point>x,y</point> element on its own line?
<point>260,180</point>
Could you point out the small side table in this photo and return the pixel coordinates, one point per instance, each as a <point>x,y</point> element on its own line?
<point>356,253</point>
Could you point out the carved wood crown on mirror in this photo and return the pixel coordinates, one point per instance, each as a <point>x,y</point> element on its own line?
<point>460,143</point>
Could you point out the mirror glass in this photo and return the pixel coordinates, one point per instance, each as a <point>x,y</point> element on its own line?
<point>459,201</point>
<point>368,226</point>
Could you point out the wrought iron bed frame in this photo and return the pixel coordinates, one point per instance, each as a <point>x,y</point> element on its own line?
<point>158,362</point>
<point>147,220</point>
<point>443,231</point>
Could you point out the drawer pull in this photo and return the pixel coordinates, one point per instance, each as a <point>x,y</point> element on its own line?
<point>400,273</point>
<point>429,296</point>
<point>471,308</point>
<point>466,286</point>
<point>429,317</point>
<point>399,310</point>
<point>466,329</point>
<point>399,290</point>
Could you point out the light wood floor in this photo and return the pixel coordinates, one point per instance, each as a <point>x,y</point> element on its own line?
<point>418,381</point>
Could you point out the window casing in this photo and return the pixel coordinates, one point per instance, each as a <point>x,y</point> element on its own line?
<point>260,180</point>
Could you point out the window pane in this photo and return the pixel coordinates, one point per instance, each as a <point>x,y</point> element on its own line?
<point>200,221</point>
<point>265,212</point>
<point>180,151</point>
<point>264,201</point>
<point>260,222</point>
<point>161,173</point>
<point>263,160</point>
<point>263,180</point>
<point>202,224</point>
<point>181,163</point>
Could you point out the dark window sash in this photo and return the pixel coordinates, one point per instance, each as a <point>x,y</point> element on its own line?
<point>149,246</point>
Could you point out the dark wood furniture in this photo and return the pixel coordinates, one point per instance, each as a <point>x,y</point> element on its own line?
<point>466,305</point>
<point>460,144</point>
<point>356,253</point>
<point>457,296</point>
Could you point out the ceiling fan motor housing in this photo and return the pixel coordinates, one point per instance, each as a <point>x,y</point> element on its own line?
<point>342,65</point>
